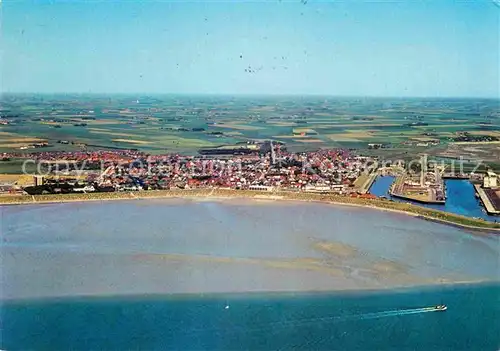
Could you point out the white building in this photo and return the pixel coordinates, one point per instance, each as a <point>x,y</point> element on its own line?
<point>85,189</point>
<point>490,180</point>
<point>261,188</point>
<point>317,188</point>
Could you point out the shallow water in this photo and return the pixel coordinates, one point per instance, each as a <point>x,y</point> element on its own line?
<point>177,246</point>
<point>115,275</point>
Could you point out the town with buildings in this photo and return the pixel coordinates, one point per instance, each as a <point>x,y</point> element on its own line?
<point>263,166</point>
<point>321,171</point>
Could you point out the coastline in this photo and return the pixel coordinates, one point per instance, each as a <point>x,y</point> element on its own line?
<point>472,224</point>
<point>255,294</point>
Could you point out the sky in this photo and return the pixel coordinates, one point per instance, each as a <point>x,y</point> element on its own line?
<point>436,48</point>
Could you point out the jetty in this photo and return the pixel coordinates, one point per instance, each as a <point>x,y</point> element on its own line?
<point>365,182</point>
<point>405,188</point>
<point>488,203</point>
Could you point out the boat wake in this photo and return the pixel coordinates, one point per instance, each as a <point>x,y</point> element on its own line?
<point>395,313</point>
<point>362,316</point>
<point>293,322</point>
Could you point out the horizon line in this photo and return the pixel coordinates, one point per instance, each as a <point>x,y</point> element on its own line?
<point>145,94</point>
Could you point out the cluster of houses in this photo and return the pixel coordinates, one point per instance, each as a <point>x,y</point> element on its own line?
<point>333,170</point>
<point>321,171</point>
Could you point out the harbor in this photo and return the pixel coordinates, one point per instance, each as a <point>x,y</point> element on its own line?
<point>423,187</point>
<point>460,197</point>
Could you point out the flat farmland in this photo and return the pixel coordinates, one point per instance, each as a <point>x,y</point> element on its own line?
<point>184,124</point>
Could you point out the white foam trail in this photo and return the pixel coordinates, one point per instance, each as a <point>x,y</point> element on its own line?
<point>395,313</point>
<point>308,321</point>
<point>371,315</point>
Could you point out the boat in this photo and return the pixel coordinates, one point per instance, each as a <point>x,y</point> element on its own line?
<point>440,308</point>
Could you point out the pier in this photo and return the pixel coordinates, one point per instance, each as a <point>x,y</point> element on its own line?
<point>487,201</point>
<point>455,176</point>
<point>364,182</point>
<point>404,188</point>
<point>418,199</point>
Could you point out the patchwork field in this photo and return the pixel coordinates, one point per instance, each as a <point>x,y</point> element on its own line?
<point>10,140</point>
<point>160,124</point>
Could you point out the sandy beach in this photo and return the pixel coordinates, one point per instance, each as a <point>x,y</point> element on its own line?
<point>472,224</point>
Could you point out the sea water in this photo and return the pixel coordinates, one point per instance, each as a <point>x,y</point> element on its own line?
<point>387,320</point>
<point>176,274</point>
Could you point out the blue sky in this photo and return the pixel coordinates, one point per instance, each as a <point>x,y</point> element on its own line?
<point>435,48</point>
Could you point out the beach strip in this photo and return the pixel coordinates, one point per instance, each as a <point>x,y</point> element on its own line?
<point>473,224</point>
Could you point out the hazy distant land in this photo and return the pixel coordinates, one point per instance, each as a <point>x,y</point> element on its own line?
<point>184,124</point>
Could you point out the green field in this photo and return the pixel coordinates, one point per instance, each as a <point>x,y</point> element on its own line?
<point>159,124</point>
